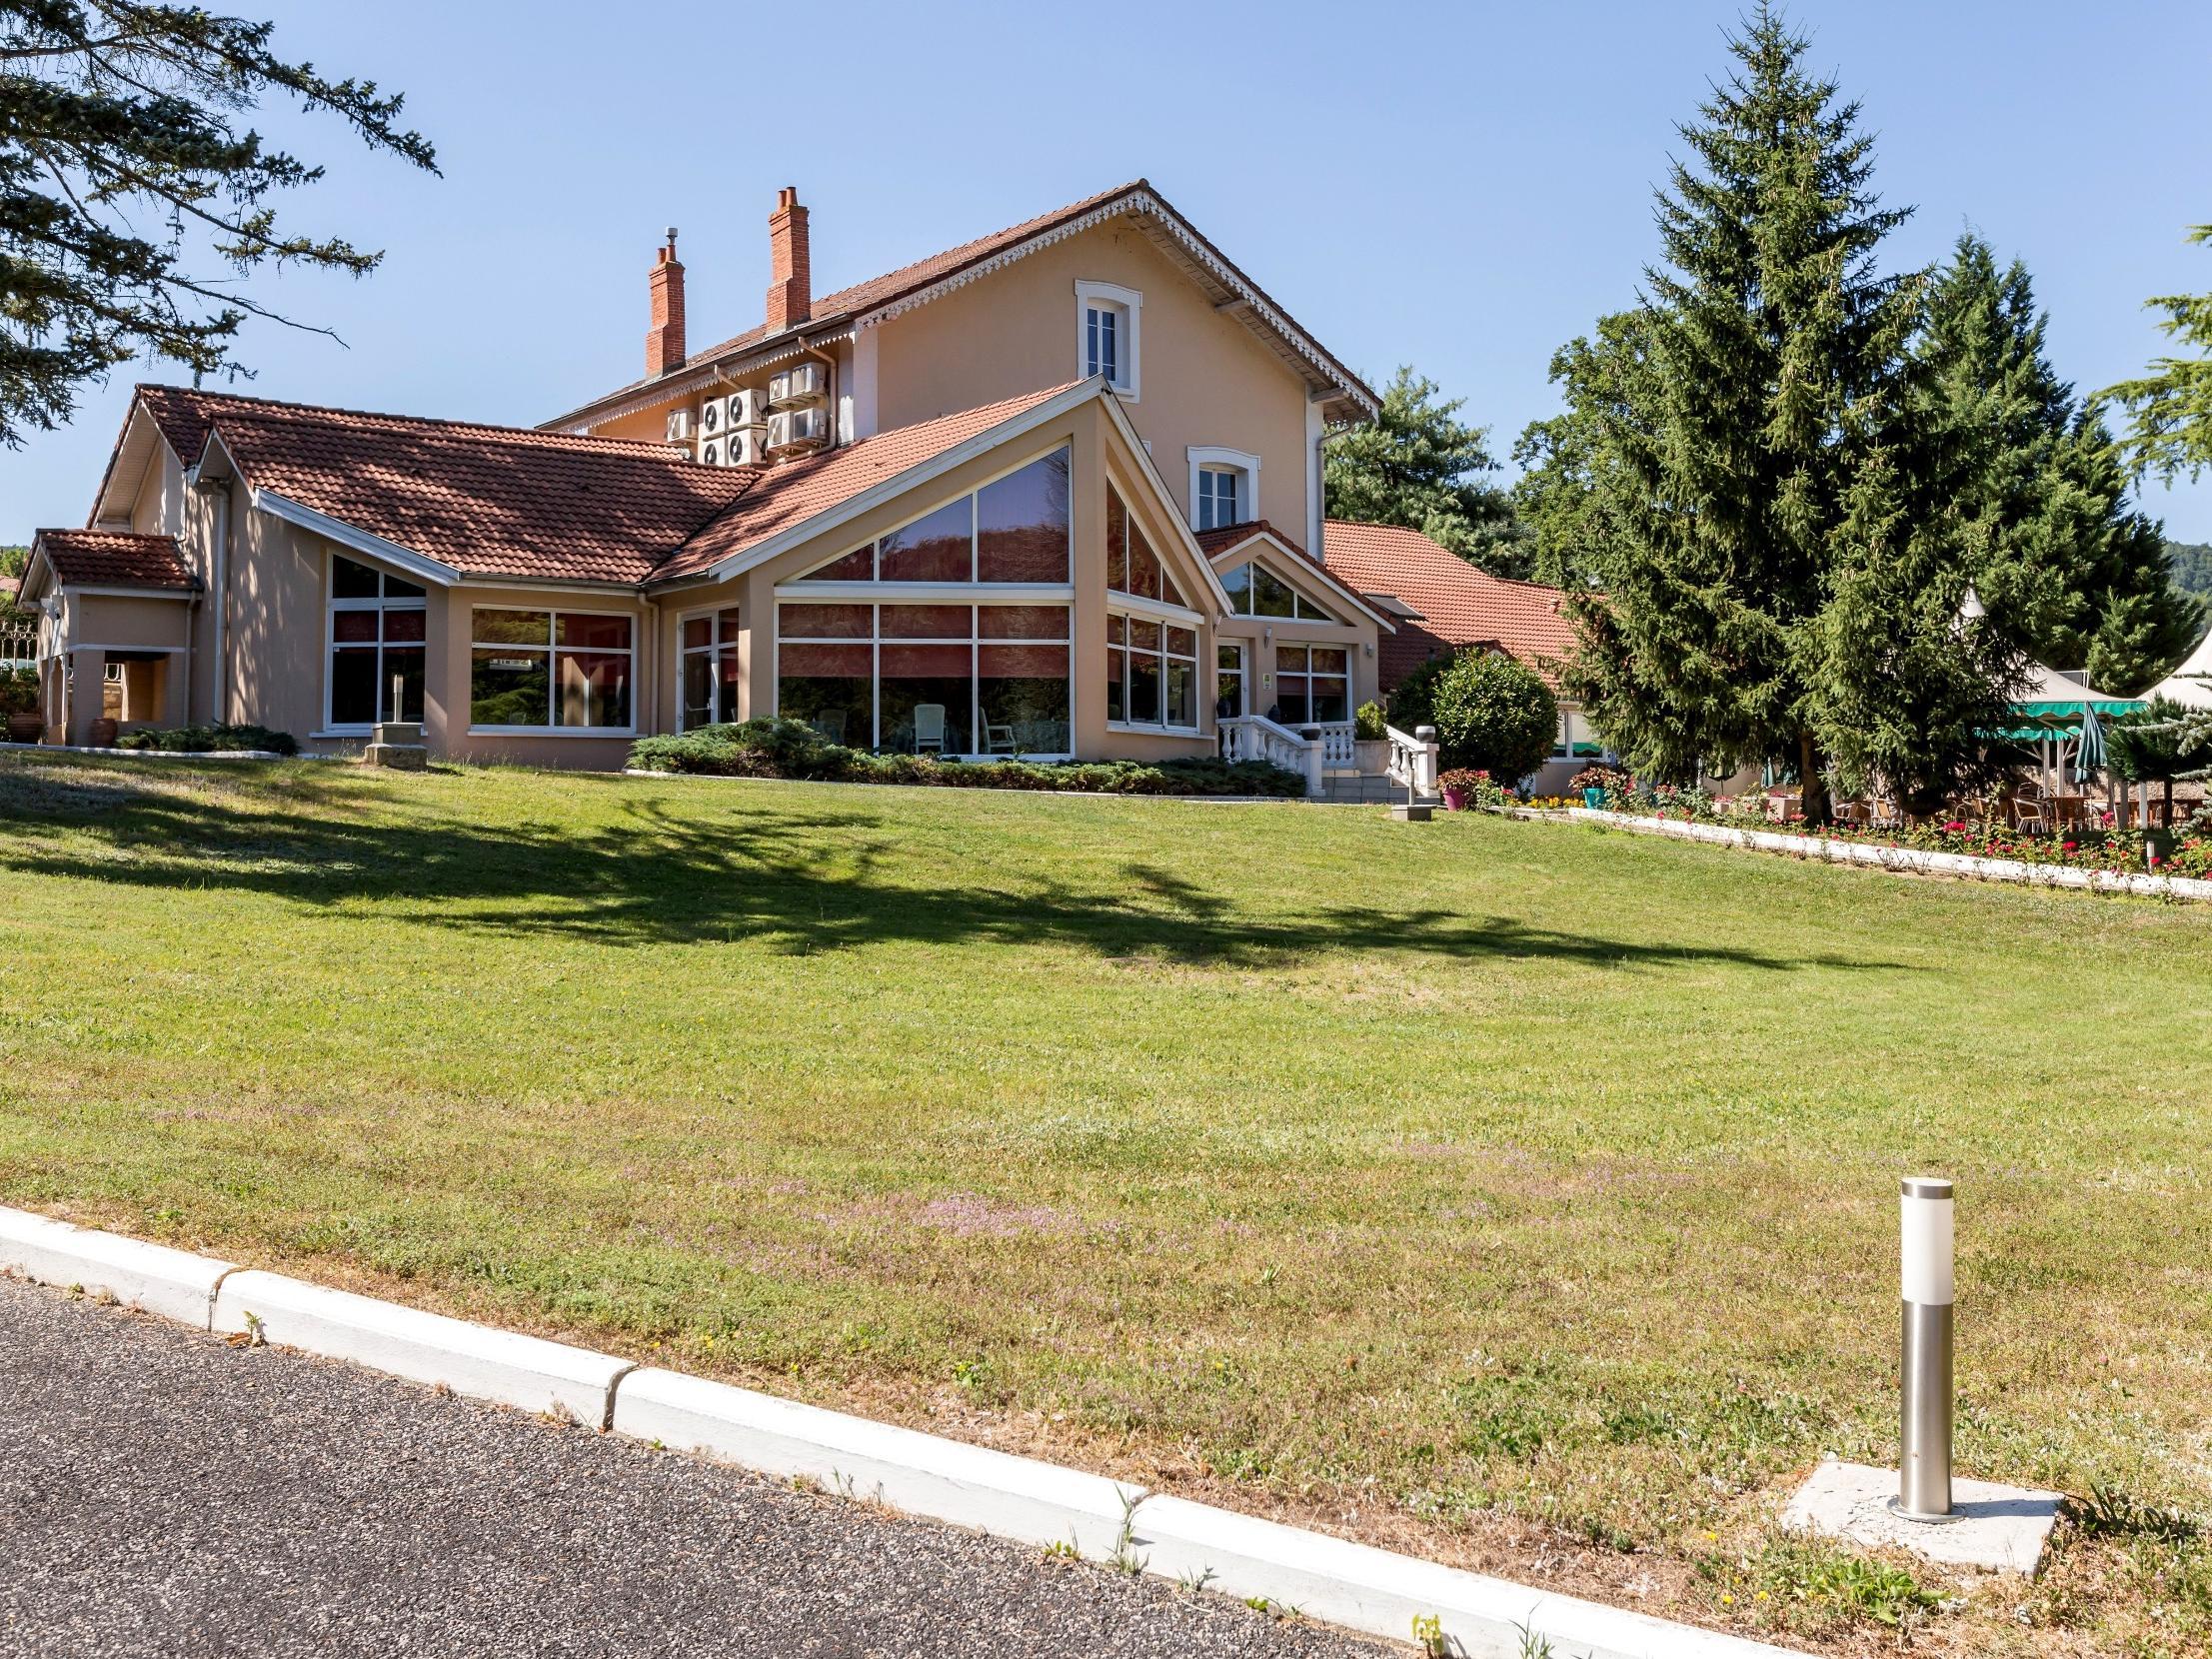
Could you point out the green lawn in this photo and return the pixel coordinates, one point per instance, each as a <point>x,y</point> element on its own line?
<point>1517,1193</point>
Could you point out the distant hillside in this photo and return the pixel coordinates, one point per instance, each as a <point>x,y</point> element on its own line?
<point>2191,564</point>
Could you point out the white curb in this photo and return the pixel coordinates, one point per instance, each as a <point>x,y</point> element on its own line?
<point>921,1474</point>
<point>173,1284</point>
<point>488,1364</point>
<point>1913,859</point>
<point>1376,1591</point>
<point>1354,1585</point>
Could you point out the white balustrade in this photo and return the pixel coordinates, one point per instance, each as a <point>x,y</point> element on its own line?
<point>1256,737</point>
<point>1413,759</point>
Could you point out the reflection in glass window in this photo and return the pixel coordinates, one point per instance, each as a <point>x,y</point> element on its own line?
<point>1132,567</point>
<point>549,670</point>
<point>1312,684</point>
<point>1014,528</point>
<point>711,675</point>
<point>1257,592</point>
<point>376,629</point>
<point>1218,488</point>
<point>1151,673</point>
<point>935,679</point>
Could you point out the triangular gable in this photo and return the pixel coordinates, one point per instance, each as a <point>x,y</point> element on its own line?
<point>1171,536</point>
<point>1265,548</point>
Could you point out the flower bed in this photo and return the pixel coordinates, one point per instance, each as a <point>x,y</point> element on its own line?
<point>2164,880</point>
<point>2117,850</point>
<point>794,750</point>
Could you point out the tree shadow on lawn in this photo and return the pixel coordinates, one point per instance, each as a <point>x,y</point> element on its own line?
<point>798,882</point>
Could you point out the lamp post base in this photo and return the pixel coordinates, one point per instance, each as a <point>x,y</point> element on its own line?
<point>2001,1529</point>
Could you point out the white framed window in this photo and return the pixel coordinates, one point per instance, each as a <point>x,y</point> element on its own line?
<point>1151,634</point>
<point>374,642</point>
<point>1225,487</point>
<point>550,671</point>
<point>1312,684</point>
<point>1109,320</point>
<point>1577,740</point>
<point>1255,590</point>
<point>707,646</point>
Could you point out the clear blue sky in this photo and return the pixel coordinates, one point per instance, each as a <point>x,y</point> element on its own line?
<point>1462,187</point>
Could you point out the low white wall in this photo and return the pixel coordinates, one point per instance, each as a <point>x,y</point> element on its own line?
<point>1911,860</point>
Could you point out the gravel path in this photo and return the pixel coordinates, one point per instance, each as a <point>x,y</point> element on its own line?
<point>163,1493</point>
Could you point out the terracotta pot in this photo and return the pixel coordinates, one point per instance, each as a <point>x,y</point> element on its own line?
<point>26,728</point>
<point>103,733</point>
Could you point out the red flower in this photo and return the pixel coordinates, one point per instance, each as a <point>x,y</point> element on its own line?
<point>1955,827</point>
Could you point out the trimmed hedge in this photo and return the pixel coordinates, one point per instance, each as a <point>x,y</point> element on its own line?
<point>790,748</point>
<point>210,739</point>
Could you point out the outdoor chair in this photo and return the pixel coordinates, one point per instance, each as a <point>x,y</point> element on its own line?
<point>928,729</point>
<point>2029,811</point>
<point>999,739</point>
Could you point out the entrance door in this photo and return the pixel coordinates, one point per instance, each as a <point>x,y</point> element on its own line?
<point>1232,682</point>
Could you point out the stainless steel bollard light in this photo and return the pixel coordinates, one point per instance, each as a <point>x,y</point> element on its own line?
<point>1926,1233</point>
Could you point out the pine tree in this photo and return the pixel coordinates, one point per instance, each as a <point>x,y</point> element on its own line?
<point>132,197</point>
<point>1605,379</point>
<point>2042,471</point>
<point>2171,431</point>
<point>1418,465</point>
<point>1775,356</point>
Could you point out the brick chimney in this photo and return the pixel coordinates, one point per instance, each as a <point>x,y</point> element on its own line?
<point>790,279</point>
<point>664,341</point>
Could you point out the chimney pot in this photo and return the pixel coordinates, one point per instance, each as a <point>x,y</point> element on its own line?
<point>664,338</point>
<point>790,275</point>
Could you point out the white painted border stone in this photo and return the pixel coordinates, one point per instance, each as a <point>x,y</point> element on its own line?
<point>1376,1591</point>
<point>1362,1588</point>
<point>173,1284</point>
<point>921,1474</point>
<point>1913,859</point>
<point>477,1361</point>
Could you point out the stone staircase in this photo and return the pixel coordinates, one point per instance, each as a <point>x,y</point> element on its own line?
<point>1349,788</point>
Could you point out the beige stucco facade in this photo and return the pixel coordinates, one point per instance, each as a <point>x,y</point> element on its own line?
<point>255,643</point>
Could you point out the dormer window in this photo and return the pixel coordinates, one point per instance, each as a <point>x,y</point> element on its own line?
<point>1225,487</point>
<point>1107,320</point>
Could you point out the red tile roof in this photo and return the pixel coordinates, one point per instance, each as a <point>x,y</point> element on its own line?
<point>488,500</point>
<point>1223,537</point>
<point>507,503</point>
<point>1457,604</point>
<point>111,559</point>
<point>787,495</point>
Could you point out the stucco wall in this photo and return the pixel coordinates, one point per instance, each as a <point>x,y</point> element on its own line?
<point>274,647</point>
<point>1203,377</point>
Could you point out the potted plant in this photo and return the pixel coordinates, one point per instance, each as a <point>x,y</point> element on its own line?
<point>1598,783</point>
<point>1370,740</point>
<point>1460,786</point>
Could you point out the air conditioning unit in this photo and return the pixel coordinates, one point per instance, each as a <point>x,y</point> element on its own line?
<point>798,429</point>
<point>709,453</point>
<point>745,406</point>
<point>803,382</point>
<point>710,418</point>
<point>744,446</point>
<point>679,426</point>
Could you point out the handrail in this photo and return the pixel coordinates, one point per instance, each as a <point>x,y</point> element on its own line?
<point>1256,737</point>
<point>1413,759</point>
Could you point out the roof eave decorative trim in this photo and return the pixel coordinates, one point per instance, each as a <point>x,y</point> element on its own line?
<point>1142,202</point>
<point>352,535</point>
<point>651,396</point>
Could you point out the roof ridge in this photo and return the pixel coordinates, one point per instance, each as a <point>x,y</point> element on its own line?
<point>242,406</point>
<point>827,309</point>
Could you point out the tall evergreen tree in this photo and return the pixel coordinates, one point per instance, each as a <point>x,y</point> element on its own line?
<point>1558,499</point>
<point>1417,464</point>
<point>2171,429</point>
<point>1776,350</point>
<point>2042,470</point>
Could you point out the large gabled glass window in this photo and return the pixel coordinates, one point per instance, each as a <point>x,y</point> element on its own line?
<point>375,628</point>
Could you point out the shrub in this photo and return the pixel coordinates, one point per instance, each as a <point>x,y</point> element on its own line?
<point>1366,723</point>
<point>18,692</point>
<point>792,749</point>
<point>210,739</point>
<point>1413,698</point>
<point>1493,715</point>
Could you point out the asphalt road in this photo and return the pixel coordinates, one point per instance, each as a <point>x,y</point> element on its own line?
<point>164,1493</point>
